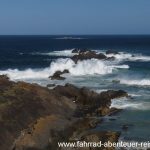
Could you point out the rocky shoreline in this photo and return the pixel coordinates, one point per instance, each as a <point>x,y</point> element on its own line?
<point>37,118</point>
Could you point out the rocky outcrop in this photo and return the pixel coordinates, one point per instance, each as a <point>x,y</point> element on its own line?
<point>84,54</point>
<point>100,103</point>
<point>50,85</point>
<point>77,50</point>
<point>114,52</point>
<point>88,55</point>
<point>35,117</point>
<point>57,75</point>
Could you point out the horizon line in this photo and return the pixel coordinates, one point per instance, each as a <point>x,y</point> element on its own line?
<point>72,34</point>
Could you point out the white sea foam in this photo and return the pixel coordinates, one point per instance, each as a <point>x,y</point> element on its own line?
<point>134,95</point>
<point>67,52</point>
<point>100,90</point>
<point>120,57</point>
<point>124,103</point>
<point>16,74</point>
<point>131,57</point>
<point>140,82</point>
<point>85,67</point>
<point>121,66</point>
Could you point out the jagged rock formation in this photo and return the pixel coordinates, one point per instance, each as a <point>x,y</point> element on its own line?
<point>34,117</point>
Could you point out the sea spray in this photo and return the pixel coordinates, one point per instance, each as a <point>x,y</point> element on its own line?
<point>86,67</point>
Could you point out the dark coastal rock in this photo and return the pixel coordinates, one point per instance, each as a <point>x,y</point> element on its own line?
<point>50,85</point>
<point>112,52</point>
<point>114,111</point>
<point>100,103</point>
<point>35,117</point>
<point>111,58</point>
<point>57,75</point>
<point>22,104</point>
<point>114,94</point>
<point>77,50</point>
<point>88,55</point>
<point>84,51</point>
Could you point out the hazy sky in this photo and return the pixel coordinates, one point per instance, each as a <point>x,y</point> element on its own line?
<point>74,17</point>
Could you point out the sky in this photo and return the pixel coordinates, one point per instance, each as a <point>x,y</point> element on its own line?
<point>50,17</point>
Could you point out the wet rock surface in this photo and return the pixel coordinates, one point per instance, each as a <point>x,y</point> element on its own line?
<point>77,50</point>
<point>114,52</point>
<point>87,55</point>
<point>35,117</point>
<point>57,75</point>
<point>51,85</point>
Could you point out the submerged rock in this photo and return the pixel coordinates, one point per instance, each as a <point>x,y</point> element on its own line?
<point>77,50</point>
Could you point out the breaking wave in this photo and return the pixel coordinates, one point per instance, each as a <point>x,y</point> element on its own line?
<point>67,52</point>
<point>124,103</point>
<point>16,74</point>
<point>120,57</point>
<point>86,67</point>
<point>130,57</point>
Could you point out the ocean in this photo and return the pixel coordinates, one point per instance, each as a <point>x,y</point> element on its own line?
<point>34,58</point>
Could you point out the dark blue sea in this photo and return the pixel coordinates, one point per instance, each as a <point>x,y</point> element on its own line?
<point>34,58</point>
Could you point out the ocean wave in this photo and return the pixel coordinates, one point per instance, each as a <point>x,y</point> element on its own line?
<point>15,74</point>
<point>134,95</point>
<point>100,90</point>
<point>140,82</point>
<point>119,57</point>
<point>130,57</point>
<point>67,52</point>
<point>85,67</point>
<point>124,103</point>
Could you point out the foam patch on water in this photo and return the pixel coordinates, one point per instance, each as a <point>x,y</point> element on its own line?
<point>134,95</point>
<point>124,103</point>
<point>16,74</point>
<point>101,90</point>
<point>130,57</point>
<point>140,82</point>
<point>67,53</point>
